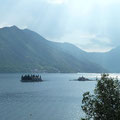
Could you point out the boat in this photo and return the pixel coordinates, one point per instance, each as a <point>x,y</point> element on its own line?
<point>31,78</point>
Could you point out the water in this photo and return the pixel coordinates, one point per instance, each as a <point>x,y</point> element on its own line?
<point>57,98</point>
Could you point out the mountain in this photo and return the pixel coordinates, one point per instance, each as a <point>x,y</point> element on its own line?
<point>110,60</point>
<point>27,51</point>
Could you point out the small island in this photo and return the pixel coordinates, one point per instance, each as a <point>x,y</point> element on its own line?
<point>83,79</point>
<point>31,78</point>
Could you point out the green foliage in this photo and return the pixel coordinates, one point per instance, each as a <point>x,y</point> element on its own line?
<point>104,104</point>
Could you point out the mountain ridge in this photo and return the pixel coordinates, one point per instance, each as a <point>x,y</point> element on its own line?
<point>23,50</point>
<point>110,60</point>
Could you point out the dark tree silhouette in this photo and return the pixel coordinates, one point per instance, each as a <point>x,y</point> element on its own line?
<point>104,104</point>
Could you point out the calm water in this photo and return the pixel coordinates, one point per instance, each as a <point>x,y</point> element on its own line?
<point>57,98</point>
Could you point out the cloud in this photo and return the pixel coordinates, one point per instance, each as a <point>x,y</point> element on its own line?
<point>57,1</point>
<point>87,41</point>
<point>4,25</point>
<point>89,24</point>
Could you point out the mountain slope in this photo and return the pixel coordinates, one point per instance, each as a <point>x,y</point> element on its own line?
<point>110,60</point>
<point>27,51</point>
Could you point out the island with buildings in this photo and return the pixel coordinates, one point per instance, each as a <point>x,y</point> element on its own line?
<point>83,79</point>
<point>31,78</point>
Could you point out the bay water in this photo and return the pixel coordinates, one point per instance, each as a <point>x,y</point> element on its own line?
<point>58,97</point>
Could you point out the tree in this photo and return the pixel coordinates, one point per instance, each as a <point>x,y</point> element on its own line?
<point>104,104</point>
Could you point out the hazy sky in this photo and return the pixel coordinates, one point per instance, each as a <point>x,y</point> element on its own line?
<point>93,25</point>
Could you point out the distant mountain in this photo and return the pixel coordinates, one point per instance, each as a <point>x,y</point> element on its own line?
<point>110,60</point>
<point>27,51</point>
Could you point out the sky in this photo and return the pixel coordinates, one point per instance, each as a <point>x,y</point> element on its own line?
<point>92,25</point>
